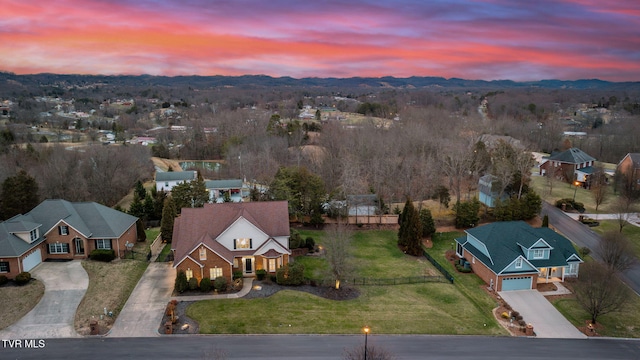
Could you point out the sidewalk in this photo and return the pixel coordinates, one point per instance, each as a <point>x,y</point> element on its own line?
<point>561,290</point>
<point>246,287</point>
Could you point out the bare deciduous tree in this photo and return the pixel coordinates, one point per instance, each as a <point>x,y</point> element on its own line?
<point>616,251</point>
<point>598,186</point>
<point>373,353</point>
<point>337,243</point>
<point>599,291</point>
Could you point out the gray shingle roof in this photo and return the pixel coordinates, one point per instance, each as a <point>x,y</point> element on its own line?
<point>503,240</point>
<point>223,184</point>
<point>91,219</point>
<point>176,175</point>
<point>572,156</point>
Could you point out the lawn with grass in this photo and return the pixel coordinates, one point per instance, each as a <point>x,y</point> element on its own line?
<point>632,232</point>
<point>431,308</point>
<point>563,190</point>
<point>625,324</point>
<point>17,301</point>
<point>110,285</point>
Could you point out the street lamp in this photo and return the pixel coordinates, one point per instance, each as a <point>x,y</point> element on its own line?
<point>576,184</point>
<point>366,332</point>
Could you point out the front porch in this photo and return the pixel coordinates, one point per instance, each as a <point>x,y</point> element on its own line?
<point>551,274</point>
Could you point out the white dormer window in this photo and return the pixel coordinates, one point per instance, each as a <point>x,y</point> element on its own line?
<point>538,254</point>
<point>519,263</point>
<point>63,230</point>
<point>33,235</point>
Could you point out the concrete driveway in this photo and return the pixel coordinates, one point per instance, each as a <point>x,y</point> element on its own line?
<point>142,314</point>
<point>65,284</point>
<point>537,310</point>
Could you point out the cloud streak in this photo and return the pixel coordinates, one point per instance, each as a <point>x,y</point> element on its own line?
<point>490,39</point>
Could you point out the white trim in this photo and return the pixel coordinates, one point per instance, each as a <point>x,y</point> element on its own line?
<point>222,234</point>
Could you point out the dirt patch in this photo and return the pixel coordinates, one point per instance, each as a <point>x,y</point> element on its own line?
<point>17,301</point>
<point>590,329</point>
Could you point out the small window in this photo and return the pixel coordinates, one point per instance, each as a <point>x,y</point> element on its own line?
<point>58,248</point>
<point>215,273</point>
<point>243,243</point>
<point>64,230</point>
<point>203,253</point>
<point>519,263</point>
<point>189,274</point>
<point>4,266</point>
<point>538,254</point>
<point>103,244</point>
<point>236,263</point>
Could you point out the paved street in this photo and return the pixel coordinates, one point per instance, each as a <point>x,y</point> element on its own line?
<point>142,313</point>
<point>582,235</point>
<point>65,284</point>
<point>316,347</point>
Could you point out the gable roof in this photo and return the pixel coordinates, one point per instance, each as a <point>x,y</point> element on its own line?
<point>92,220</point>
<point>635,159</point>
<point>223,184</point>
<point>503,241</point>
<point>572,156</point>
<point>176,175</point>
<point>203,225</point>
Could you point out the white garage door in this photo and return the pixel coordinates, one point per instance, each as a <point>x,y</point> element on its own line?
<point>518,283</point>
<point>31,260</point>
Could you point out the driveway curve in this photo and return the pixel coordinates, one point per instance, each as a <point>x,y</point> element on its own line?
<point>65,284</point>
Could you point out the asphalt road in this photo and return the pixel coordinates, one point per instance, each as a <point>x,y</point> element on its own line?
<point>405,347</point>
<point>582,235</point>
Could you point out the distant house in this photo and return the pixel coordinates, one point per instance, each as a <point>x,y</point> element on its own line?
<point>512,255</point>
<point>488,190</point>
<point>220,239</point>
<point>629,166</point>
<point>62,230</point>
<point>218,188</point>
<point>569,165</point>
<point>363,205</point>
<point>166,180</point>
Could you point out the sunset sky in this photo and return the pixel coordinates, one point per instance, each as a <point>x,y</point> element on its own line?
<point>472,39</point>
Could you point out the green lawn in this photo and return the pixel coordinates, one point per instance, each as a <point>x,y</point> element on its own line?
<point>563,190</point>
<point>632,232</point>
<point>431,308</point>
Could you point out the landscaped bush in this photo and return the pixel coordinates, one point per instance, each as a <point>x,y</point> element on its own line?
<point>237,275</point>
<point>570,205</point>
<point>505,315</point>
<point>193,283</point>
<point>205,285</point>
<point>220,284</point>
<point>463,269</point>
<point>290,274</point>
<point>514,314</point>
<point>23,278</point>
<point>261,274</point>
<point>181,283</point>
<point>3,280</point>
<point>102,255</point>
<point>310,243</point>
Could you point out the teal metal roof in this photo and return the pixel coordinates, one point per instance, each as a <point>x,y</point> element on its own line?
<point>503,241</point>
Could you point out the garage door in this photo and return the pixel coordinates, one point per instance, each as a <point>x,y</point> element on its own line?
<point>31,260</point>
<point>518,283</point>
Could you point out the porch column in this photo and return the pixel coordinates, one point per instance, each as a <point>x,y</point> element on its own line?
<point>564,267</point>
<point>547,279</point>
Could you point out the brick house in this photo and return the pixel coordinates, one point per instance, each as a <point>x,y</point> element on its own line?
<point>220,239</point>
<point>569,165</point>
<point>512,255</point>
<point>59,229</point>
<point>629,167</point>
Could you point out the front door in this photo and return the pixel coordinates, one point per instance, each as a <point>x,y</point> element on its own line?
<point>79,246</point>
<point>248,265</point>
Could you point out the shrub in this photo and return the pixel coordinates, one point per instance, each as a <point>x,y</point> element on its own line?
<point>519,317</point>
<point>193,283</point>
<point>514,314</point>
<point>570,204</point>
<point>522,323</point>
<point>505,315</point>
<point>584,251</point>
<point>237,275</point>
<point>105,255</point>
<point>220,284</point>
<point>181,282</point>
<point>463,269</point>
<point>3,280</point>
<point>23,278</point>
<point>261,274</point>
<point>205,285</point>
<point>290,274</point>
<point>310,243</point>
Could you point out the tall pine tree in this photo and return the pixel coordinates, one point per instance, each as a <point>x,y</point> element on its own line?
<point>168,218</point>
<point>19,195</point>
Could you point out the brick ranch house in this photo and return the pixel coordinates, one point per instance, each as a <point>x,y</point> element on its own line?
<point>59,229</point>
<point>512,255</point>
<point>218,239</point>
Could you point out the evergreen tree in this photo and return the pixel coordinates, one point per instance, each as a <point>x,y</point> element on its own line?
<point>545,221</point>
<point>410,233</point>
<point>136,208</point>
<point>158,203</point>
<point>428,225</point>
<point>19,195</point>
<point>140,190</point>
<point>142,235</point>
<point>402,219</point>
<point>467,213</point>
<point>148,207</point>
<point>168,218</point>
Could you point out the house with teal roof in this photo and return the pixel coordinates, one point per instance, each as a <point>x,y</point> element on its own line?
<point>512,255</point>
